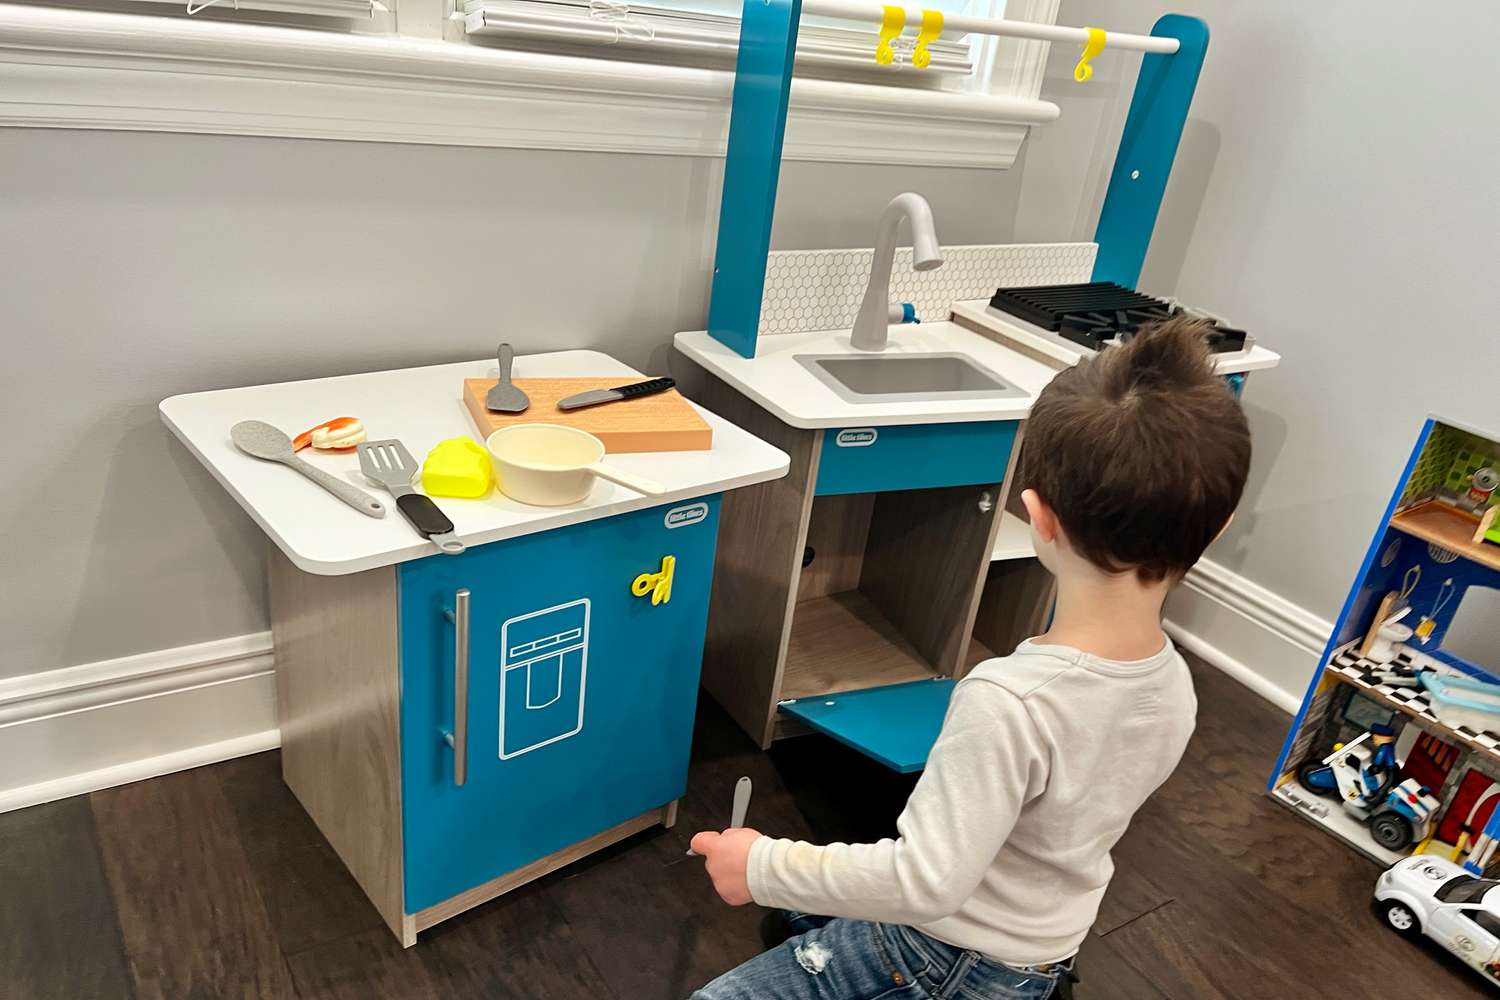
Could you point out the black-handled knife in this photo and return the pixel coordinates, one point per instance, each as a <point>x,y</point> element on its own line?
<point>594,397</point>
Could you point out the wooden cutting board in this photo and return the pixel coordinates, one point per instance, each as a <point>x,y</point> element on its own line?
<point>661,422</point>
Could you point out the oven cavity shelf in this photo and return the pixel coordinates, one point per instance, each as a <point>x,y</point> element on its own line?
<point>842,642</point>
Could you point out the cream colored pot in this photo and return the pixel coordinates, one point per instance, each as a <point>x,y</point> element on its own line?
<point>549,465</point>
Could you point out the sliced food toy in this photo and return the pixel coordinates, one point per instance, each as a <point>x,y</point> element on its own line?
<point>458,467</point>
<point>338,434</point>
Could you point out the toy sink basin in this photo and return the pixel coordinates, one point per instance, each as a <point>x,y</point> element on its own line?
<point>1464,701</point>
<point>898,378</point>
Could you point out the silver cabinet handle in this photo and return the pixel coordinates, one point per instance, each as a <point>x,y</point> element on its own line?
<point>460,738</point>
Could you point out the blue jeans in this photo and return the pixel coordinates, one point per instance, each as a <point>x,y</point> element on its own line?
<point>858,960</point>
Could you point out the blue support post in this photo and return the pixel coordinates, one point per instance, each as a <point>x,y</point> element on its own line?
<point>752,165</point>
<point>1143,162</point>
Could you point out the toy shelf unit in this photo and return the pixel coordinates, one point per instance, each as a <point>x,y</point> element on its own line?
<point>1396,748</point>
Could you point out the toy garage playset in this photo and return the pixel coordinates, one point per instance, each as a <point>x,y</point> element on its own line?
<point>1396,748</point>
<point>1397,745</point>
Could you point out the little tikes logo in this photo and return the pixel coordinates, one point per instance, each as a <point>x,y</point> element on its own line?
<point>856,437</point>
<point>681,517</point>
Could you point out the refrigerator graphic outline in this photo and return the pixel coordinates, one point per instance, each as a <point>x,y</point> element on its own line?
<point>543,677</point>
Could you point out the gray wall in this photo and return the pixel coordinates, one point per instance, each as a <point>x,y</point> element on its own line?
<point>137,266</point>
<point>1336,193</point>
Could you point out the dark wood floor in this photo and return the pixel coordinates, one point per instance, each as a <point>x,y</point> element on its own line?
<point>213,883</point>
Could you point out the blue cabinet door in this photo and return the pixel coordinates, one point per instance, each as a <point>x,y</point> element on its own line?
<point>896,724</point>
<point>581,694</point>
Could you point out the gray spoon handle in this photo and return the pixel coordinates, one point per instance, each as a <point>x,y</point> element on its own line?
<point>347,492</point>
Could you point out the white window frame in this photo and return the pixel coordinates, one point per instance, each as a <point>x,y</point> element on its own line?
<point>424,83</point>
<point>655,32</point>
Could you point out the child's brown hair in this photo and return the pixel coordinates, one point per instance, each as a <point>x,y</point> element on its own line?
<point>1141,451</point>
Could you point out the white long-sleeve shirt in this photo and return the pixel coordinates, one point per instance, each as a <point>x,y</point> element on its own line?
<point>1004,845</point>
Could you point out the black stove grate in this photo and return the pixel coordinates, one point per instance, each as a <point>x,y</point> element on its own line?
<point>1097,313</point>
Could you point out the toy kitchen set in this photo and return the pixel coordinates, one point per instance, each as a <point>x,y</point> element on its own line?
<point>480,689</point>
<point>1396,748</point>
<point>476,690</point>
<point>849,595</point>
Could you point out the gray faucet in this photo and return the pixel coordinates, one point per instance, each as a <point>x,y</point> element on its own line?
<point>872,325</point>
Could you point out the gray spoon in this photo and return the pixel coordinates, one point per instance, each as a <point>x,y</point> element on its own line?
<point>505,397</point>
<point>259,439</point>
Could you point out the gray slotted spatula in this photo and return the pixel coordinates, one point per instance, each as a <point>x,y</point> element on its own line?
<point>391,465</point>
<point>505,397</point>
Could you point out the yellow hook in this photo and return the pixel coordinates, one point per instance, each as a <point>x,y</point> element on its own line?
<point>891,26</point>
<point>932,27</point>
<point>1091,48</point>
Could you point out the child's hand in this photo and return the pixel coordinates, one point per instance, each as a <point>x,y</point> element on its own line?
<point>726,856</point>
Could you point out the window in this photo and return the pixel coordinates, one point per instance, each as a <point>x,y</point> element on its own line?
<point>1464,889</point>
<point>1472,635</point>
<point>1485,919</point>
<point>323,14</point>
<point>549,74</point>
<point>706,32</point>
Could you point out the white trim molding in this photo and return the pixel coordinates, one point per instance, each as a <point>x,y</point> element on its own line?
<point>1258,637</point>
<point>80,729</point>
<point>64,68</point>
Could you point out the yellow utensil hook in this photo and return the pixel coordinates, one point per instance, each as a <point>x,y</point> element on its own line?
<point>1095,45</point>
<point>658,584</point>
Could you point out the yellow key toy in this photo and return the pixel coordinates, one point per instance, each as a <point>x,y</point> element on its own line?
<point>658,585</point>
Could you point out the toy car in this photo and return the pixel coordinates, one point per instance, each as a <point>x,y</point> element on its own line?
<point>1362,773</point>
<point>1460,911</point>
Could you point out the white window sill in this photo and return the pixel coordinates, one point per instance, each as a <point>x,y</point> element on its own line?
<point>81,69</point>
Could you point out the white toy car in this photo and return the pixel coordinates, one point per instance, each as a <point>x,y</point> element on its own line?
<point>1460,911</point>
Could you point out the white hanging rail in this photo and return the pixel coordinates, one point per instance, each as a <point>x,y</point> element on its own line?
<point>874,13</point>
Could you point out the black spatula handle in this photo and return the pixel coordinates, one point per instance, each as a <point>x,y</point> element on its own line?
<point>424,515</point>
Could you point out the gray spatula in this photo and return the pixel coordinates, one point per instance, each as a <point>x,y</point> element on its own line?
<point>391,465</point>
<point>505,397</point>
<point>742,790</point>
<point>261,440</point>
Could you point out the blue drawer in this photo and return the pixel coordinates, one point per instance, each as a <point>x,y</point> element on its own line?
<point>913,456</point>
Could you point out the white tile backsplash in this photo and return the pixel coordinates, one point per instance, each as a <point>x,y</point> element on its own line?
<point>820,289</point>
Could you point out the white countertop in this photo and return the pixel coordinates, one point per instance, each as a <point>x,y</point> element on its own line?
<point>422,406</point>
<point>978,311</point>
<point>780,384</point>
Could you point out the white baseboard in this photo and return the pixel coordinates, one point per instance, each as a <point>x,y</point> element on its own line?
<point>80,729</point>
<point>67,732</point>
<point>1259,638</point>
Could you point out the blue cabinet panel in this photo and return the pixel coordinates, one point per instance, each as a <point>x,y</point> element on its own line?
<point>581,695</point>
<point>913,456</point>
<point>896,725</point>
